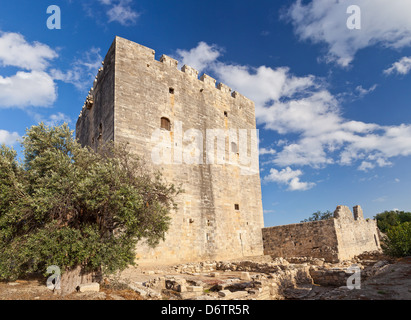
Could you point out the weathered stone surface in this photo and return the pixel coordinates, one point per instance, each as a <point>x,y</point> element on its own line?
<point>220,213</point>
<point>89,287</point>
<point>195,289</point>
<point>245,276</point>
<point>224,293</point>
<point>337,239</point>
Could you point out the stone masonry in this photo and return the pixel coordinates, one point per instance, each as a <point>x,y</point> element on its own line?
<point>220,214</point>
<point>337,239</point>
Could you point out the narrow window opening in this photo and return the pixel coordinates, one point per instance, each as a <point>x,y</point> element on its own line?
<point>225,114</point>
<point>171,90</point>
<point>234,148</point>
<point>165,124</point>
<point>237,207</point>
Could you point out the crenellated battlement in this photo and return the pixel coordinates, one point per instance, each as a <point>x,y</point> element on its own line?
<point>148,55</point>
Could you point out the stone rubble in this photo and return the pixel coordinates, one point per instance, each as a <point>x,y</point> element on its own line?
<point>261,278</point>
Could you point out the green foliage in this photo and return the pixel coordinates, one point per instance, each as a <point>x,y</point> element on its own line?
<point>388,219</point>
<point>69,206</point>
<point>398,240</point>
<point>316,216</point>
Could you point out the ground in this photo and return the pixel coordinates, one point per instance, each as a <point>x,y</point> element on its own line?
<point>266,278</point>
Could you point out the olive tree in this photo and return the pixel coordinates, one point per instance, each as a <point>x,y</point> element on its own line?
<point>72,207</point>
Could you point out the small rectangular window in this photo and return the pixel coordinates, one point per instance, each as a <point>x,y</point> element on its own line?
<point>165,124</point>
<point>171,90</point>
<point>237,207</point>
<point>225,114</point>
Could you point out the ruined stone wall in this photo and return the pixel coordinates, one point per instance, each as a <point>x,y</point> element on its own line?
<point>208,224</point>
<point>315,239</point>
<point>355,235</point>
<point>340,238</point>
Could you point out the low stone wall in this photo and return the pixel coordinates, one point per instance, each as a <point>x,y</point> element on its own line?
<point>315,239</point>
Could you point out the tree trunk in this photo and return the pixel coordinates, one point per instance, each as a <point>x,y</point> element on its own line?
<point>72,278</point>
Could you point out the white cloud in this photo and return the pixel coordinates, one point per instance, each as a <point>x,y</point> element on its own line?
<point>365,166</point>
<point>289,177</point>
<point>8,138</point>
<point>33,88</point>
<point>17,52</point>
<point>120,11</point>
<point>304,108</point>
<point>264,151</point>
<point>403,66</point>
<point>363,92</point>
<point>383,22</point>
<point>199,57</point>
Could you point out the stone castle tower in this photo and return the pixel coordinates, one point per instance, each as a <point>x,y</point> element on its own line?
<point>135,96</point>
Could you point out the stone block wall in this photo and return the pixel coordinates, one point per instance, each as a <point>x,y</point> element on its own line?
<point>355,235</point>
<point>315,239</point>
<point>337,239</point>
<point>220,214</point>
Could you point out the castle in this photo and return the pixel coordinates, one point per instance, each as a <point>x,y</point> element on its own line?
<point>149,104</point>
<point>167,116</point>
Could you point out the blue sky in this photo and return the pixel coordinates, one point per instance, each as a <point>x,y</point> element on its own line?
<point>332,103</point>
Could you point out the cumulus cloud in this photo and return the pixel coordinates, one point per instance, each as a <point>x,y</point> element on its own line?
<point>17,52</point>
<point>289,177</point>
<point>303,108</point>
<point>8,138</point>
<point>199,57</point>
<point>403,66</point>
<point>33,87</point>
<point>384,23</point>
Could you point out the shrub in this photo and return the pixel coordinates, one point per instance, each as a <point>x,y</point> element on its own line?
<point>397,242</point>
